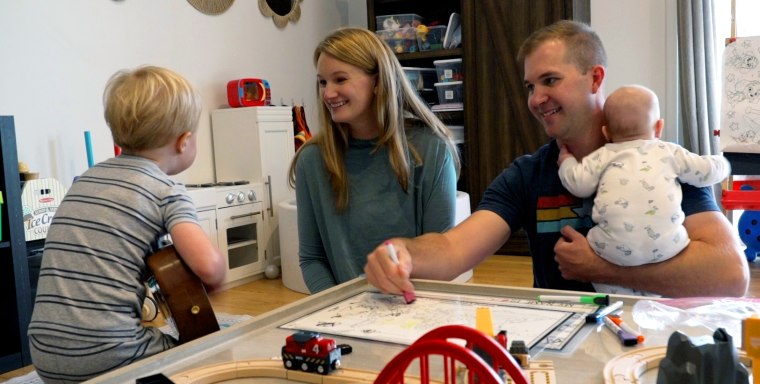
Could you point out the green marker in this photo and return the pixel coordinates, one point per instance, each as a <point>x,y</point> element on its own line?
<point>591,299</point>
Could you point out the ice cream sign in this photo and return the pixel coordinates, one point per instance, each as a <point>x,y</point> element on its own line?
<point>40,199</point>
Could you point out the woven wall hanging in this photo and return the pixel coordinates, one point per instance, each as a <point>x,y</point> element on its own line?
<point>281,11</point>
<point>211,7</point>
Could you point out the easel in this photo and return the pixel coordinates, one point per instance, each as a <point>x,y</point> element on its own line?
<point>745,164</point>
<point>736,198</point>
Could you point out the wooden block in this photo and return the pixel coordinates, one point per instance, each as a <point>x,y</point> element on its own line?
<point>751,342</point>
<point>484,321</point>
<point>751,336</point>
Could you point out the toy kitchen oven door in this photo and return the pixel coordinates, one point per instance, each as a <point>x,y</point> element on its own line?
<point>239,217</point>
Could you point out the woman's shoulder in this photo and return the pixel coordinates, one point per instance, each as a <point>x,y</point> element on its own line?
<point>309,156</point>
<point>310,151</point>
<point>421,134</point>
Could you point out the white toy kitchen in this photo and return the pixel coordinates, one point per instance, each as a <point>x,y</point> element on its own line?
<point>253,147</point>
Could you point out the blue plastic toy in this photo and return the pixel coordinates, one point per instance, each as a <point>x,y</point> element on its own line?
<point>749,230</point>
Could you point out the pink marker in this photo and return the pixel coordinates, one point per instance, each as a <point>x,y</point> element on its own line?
<point>409,297</point>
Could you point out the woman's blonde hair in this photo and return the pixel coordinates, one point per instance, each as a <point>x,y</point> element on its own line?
<point>149,106</point>
<point>394,101</point>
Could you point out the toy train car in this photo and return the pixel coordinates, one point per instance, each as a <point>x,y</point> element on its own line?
<point>310,352</point>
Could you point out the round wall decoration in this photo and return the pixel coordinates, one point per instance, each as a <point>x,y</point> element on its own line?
<point>211,7</point>
<point>281,11</point>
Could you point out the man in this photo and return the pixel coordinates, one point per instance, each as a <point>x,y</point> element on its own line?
<point>564,66</point>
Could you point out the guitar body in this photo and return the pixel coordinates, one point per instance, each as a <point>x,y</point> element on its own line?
<point>181,295</point>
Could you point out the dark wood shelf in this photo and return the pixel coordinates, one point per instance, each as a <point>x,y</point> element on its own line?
<point>428,55</point>
<point>10,362</point>
<point>15,290</point>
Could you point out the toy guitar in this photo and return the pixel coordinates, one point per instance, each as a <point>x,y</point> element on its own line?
<point>181,295</point>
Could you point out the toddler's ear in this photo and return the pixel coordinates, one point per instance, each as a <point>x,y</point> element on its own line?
<point>181,144</point>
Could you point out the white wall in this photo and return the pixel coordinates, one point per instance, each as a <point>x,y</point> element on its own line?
<point>57,56</point>
<point>641,43</point>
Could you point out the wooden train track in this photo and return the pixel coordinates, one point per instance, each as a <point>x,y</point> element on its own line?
<point>630,366</point>
<point>540,372</point>
<point>271,369</point>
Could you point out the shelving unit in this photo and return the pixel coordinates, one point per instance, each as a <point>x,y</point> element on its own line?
<point>498,127</point>
<point>433,12</point>
<point>735,197</point>
<point>15,291</point>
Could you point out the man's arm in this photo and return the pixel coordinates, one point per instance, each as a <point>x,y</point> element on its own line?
<point>437,256</point>
<point>713,263</point>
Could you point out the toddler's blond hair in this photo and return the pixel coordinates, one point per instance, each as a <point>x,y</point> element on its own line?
<point>149,106</point>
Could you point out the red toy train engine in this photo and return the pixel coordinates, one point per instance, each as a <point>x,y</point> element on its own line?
<point>310,352</point>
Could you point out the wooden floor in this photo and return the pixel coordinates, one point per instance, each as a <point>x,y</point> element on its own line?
<point>264,295</point>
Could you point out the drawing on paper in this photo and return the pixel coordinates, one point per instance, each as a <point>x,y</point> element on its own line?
<point>381,317</point>
<point>740,106</point>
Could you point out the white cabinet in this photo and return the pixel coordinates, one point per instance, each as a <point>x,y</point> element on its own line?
<point>204,200</point>
<point>256,144</point>
<point>207,220</point>
<point>239,233</point>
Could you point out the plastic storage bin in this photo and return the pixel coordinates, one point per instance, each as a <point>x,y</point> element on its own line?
<point>449,70</point>
<point>458,132</point>
<point>393,22</point>
<point>421,78</point>
<point>402,40</point>
<point>449,92</point>
<point>431,40</point>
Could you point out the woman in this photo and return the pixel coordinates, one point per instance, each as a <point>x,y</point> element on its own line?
<point>381,165</point>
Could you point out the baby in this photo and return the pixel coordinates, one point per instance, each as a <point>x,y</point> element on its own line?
<point>637,208</point>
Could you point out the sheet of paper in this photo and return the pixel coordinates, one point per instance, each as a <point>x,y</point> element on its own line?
<point>380,317</point>
<point>740,107</point>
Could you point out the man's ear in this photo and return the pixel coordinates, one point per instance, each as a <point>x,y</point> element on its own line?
<point>597,78</point>
<point>658,128</point>
<point>181,143</point>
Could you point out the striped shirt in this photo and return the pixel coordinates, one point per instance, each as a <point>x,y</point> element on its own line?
<point>91,279</point>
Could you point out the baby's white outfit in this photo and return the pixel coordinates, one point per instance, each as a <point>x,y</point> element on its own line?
<point>637,208</point>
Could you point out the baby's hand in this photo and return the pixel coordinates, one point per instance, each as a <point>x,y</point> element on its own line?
<point>564,153</point>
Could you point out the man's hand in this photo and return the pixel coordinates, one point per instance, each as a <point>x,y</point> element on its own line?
<point>385,274</point>
<point>576,259</point>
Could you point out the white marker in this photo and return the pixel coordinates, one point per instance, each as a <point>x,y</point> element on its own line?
<point>409,297</point>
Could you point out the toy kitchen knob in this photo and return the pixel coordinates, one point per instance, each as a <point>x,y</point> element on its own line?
<point>230,198</point>
<point>252,195</point>
<point>241,197</point>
